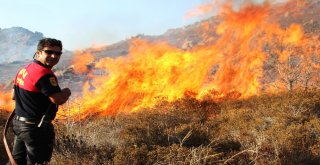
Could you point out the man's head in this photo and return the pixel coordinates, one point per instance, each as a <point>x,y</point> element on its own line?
<point>49,51</point>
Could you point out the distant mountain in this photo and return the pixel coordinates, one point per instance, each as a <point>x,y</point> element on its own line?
<point>17,44</point>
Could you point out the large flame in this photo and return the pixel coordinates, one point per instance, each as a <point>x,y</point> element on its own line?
<point>233,63</point>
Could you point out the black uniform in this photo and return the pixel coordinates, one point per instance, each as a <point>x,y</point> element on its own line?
<point>32,86</point>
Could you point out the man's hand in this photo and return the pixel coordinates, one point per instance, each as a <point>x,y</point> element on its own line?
<point>61,97</point>
<point>66,91</point>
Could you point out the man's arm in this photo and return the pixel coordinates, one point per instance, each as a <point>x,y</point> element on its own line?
<point>60,97</point>
<point>49,86</point>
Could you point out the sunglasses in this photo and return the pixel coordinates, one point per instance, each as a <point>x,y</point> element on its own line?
<point>49,52</point>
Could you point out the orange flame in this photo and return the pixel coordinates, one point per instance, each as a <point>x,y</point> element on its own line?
<point>232,65</point>
<point>81,60</point>
<point>6,102</point>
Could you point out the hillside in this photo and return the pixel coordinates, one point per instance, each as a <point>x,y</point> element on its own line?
<point>203,35</point>
<point>17,44</point>
<point>195,35</point>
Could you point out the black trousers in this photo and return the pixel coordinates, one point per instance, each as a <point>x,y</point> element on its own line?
<point>32,144</point>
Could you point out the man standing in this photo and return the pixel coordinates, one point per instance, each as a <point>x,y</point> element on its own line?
<point>37,95</point>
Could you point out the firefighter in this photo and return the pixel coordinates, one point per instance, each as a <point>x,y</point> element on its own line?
<point>37,95</point>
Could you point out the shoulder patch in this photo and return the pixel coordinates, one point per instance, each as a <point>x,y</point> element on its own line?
<point>53,81</point>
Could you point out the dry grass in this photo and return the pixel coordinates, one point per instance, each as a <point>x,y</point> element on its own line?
<point>267,129</point>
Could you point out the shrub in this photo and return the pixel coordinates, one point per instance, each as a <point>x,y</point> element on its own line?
<point>266,129</point>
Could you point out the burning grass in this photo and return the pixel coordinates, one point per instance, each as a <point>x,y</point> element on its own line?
<point>251,54</point>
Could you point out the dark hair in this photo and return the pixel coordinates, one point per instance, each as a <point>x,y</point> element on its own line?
<point>46,42</point>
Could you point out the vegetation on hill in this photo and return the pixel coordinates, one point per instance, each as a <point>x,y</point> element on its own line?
<point>266,129</point>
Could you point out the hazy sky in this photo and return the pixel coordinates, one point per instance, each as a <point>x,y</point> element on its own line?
<point>80,24</point>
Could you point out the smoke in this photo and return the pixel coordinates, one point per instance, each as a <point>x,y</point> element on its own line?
<point>216,6</point>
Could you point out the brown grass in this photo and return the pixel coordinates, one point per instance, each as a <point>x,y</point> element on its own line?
<point>266,129</point>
